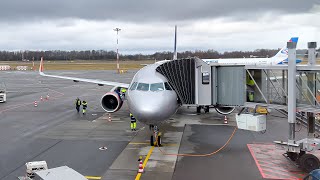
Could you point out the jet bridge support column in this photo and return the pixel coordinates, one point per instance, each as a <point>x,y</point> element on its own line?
<point>291,93</point>
<point>298,151</point>
<point>311,84</point>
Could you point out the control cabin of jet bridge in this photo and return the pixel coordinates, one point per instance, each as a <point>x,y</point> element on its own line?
<point>150,98</point>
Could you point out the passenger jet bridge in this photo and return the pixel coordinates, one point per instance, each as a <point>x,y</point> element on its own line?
<point>292,89</point>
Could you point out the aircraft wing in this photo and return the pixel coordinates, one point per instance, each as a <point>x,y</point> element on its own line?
<point>95,81</point>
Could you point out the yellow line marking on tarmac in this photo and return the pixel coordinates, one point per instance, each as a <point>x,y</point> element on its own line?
<point>141,143</point>
<point>145,162</point>
<point>93,177</point>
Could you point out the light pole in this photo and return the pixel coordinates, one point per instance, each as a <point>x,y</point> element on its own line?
<point>117,29</point>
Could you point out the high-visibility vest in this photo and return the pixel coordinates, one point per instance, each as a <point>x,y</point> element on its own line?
<point>78,102</point>
<point>123,90</point>
<point>251,98</point>
<point>84,104</point>
<point>133,119</point>
<point>249,80</point>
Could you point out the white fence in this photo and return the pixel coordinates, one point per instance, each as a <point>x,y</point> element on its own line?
<point>22,68</point>
<point>5,67</point>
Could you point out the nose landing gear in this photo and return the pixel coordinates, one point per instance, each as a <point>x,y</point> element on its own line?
<point>155,138</point>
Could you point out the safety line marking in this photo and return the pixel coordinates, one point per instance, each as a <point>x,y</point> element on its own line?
<point>142,143</point>
<point>256,161</point>
<point>137,143</point>
<point>145,162</point>
<point>278,167</point>
<point>93,177</point>
<point>277,174</point>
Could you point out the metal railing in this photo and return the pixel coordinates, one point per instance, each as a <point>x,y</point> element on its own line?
<point>301,119</point>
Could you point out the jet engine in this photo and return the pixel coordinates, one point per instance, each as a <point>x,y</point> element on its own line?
<point>225,110</point>
<point>111,102</point>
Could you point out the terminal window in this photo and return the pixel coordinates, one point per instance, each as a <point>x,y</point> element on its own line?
<point>205,78</point>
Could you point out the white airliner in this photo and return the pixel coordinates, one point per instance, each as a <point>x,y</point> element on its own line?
<point>150,97</point>
<point>280,58</point>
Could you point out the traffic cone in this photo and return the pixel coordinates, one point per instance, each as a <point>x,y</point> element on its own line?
<point>35,104</point>
<point>225,120</point>
<point>140,166</point>
<point>109,118</point>
<point>41,98</point>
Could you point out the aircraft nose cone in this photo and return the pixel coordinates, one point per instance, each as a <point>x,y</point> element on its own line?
<point>147,112</point>
<point>151,108</point>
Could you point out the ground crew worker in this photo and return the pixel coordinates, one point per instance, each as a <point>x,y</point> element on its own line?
<point>118,92</point>
<point>250,88</point>
<point>123,92</point>
<point>84,107</point>
<point>133,122</point>
<point>78,104</point>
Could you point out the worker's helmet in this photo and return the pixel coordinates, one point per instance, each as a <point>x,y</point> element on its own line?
<point>131,114</point>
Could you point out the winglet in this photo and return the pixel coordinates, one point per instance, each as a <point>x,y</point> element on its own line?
<point>41,67</point>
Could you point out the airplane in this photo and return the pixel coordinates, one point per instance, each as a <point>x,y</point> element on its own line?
<point>150,97</point>
<point>280,58</point>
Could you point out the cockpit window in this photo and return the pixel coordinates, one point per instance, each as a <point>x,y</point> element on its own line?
<point>157,87</point>
<point>167,86</point>
<point>143,87</point>
<point>133,86</point>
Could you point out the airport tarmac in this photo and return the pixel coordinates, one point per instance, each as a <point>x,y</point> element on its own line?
<point>54,132</point>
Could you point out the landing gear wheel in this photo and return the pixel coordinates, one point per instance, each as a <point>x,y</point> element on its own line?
<point>150,127</point>
<point>206,109</point>
<point>198,109</point>
<point>151,141</point>
<point>309,162</point>
<point>293,156</point>
<point>159,141</point>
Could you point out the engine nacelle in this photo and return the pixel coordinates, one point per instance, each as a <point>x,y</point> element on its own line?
<point>111,102</point>
<point>225,110</point>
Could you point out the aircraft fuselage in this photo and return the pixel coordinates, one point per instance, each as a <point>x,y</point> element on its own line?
<point>149,98</point>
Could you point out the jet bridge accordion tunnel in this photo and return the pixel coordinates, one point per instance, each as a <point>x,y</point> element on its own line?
<point>181,76</point>
<point>198,83</point>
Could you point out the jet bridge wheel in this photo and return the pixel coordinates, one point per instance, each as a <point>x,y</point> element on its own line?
<point>292,156</point>
<point>198,109</point>
<point>308,162</point>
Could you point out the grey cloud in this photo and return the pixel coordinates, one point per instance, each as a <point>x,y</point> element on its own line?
<point>146,10</point>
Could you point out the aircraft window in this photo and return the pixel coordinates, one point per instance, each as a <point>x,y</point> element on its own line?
<point>157,87</point>
<point>205,78</point>
<point>134,86</point>
<point>143,87</point>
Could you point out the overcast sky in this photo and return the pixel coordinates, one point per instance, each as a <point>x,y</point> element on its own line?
<point>147,26</point>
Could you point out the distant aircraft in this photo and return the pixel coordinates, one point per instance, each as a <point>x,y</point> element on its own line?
<point>280,58</point>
